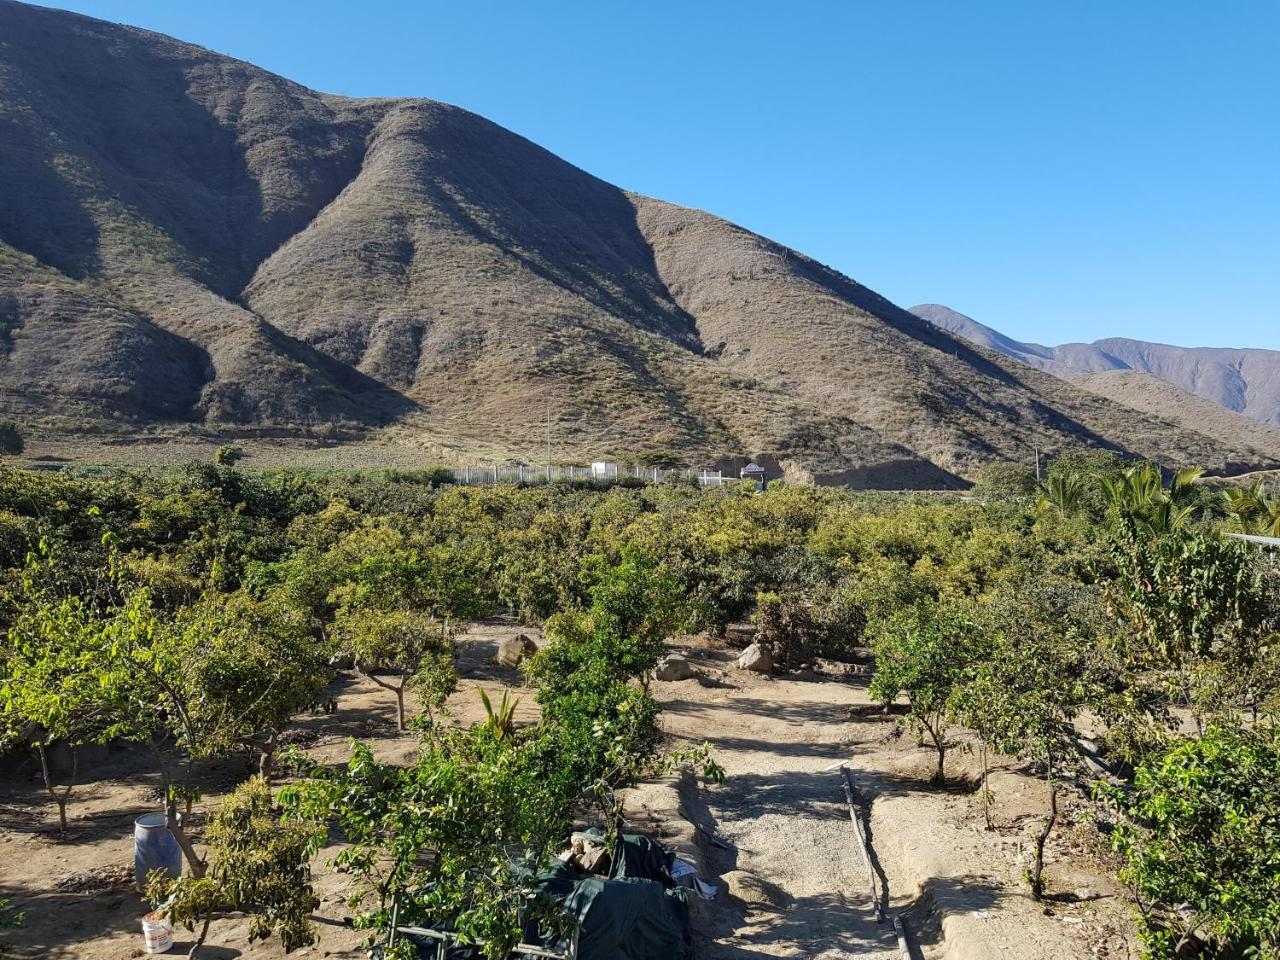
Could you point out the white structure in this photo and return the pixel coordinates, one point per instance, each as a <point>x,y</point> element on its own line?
<point>604,470</point>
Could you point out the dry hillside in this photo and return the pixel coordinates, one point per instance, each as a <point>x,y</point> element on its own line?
<point>190,242</point>
<point>1150,394</point>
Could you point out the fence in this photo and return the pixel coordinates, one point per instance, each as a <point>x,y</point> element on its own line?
<point>599,473</point>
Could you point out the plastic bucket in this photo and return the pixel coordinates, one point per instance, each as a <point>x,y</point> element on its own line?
<point>157,933</point>
<point>154,848</point>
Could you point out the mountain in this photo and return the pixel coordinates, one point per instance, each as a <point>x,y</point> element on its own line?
<point>189,243</point>
<point>1157,397</point>
<point>1246,381</point>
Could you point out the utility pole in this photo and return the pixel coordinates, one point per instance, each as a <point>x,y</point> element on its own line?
<point>548,438</point>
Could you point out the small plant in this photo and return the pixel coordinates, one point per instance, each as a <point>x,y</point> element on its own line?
<point>228,455</point>
<point>9,920</point>
<point>500,720</point>
<point>1203,847</point>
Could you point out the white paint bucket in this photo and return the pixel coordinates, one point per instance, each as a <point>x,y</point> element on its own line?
<point>157,933</point>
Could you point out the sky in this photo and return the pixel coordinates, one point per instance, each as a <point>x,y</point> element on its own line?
<point>1059,171</point>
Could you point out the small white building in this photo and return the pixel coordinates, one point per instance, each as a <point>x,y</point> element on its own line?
<point>604,470</point>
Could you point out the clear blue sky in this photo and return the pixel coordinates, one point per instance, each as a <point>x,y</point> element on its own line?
<point>1058,170</point>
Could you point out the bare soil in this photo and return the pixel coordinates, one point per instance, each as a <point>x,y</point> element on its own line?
<point>775,837</point>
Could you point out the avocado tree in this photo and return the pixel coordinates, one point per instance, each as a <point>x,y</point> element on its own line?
<point>51,690</point>
<point>245,669</point>
<point>1043,667</point>
<point>926,651</point>
<point>392,647</point>
<point>258,864</point>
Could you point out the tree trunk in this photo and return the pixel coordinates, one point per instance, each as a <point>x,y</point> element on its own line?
<point>173,822</point>
<point>59,797</point>
<point>939,744</point>
<point>1037,866</point>
<point>204,933</point>
<point>400,707</point>
<point>986,789</point>
<point>267,758</point>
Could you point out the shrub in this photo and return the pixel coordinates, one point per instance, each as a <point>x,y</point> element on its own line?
<point>227,455</point>
<point>258,866</point>
<point>785,626</point>
<point>1001,480</point>
<point>1206,868</point>
<point>11,440</point>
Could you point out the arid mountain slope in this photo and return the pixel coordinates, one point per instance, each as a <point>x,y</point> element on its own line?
<point>1246,381</point>
<point>1150,394</point>
<point>193,241</point>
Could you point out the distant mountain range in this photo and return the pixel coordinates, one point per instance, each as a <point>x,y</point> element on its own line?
<point>1244,381</point>
<point>189,243</point>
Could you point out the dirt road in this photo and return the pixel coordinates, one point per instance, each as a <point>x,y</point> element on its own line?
<point>785,853</point>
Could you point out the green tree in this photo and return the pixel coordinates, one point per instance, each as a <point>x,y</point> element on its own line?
<point>926,652</point>
<point>258,864</point>
<point>52,689</point>
<point>391,647</point>
<point>1202,847</point>
<point>1189,599</point>
<point>11,439</point>
<point>1044,667</point>
<point>1002,480</point>
<point>244,669</point>
<point>227,455</point>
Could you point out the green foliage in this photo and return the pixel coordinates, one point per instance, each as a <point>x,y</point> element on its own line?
<point>9,920</point>
<point>1252,509</point>
<point>1001,480</point>
<point>392,647</point>
<point>227,455</point>
<point>258,865</point>
<point>1191,601</point>
<point>926,651</point>
<point>11,440</point>
<point>1202,850</point>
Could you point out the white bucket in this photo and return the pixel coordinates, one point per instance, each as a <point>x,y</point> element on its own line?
<point>157,934</point>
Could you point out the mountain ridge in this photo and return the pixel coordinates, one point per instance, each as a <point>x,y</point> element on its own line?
<point>199,244</point>
<point>1245,380</point>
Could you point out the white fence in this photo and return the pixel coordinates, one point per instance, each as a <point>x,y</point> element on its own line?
<point>611,473</point>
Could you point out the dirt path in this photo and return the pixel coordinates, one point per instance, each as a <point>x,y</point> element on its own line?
<point>787,856</point>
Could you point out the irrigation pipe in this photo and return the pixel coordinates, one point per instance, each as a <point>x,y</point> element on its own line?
<point>900,929</point>
<point>862,843</point>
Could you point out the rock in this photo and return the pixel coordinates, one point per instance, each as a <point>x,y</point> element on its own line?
<point>674,667</point>
<point>594,859</point>
<point>344,660</point>
<point>756,658</point>
<point>513,651</point>
<point>1086,893</point>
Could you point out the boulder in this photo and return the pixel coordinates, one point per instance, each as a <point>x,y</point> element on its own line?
<point>513,651</point>
<point>757,659</point>
<point>674,667</point>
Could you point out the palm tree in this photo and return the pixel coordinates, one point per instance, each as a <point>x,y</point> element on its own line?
<point>1243,506</point>
<point>1139,495</point>
<point>1063,492</point>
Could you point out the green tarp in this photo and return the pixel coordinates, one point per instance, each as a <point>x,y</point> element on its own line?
<point>638,913</point>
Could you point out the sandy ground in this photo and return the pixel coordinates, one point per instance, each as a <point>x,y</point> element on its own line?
<point>775,837</point>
